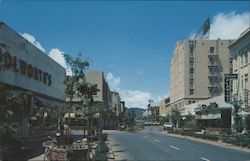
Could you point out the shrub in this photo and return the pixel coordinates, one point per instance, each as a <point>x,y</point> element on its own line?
<point>101,152</point>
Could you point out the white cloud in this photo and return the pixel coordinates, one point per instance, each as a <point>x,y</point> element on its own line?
<point>229,26</point>
<point>132,98</point>
<point>135,98</point>
<point>192,35</point>
<point>113,81</point>
<point>33,40</point>
<point>57,55</point>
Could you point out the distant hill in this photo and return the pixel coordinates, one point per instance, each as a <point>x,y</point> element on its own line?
<point>138,111</point>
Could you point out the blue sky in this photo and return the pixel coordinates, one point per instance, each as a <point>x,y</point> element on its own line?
<point>131,41</point>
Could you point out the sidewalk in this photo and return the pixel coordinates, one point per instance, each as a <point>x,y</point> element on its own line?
<point>216,143</point>
<point>37,158</point>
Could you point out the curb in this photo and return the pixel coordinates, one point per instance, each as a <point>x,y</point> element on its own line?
<point>110,155</point>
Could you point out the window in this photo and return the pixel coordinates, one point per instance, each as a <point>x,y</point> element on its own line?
<point>191,60</point>
<point>246,58</point>
<point>211,49</point>
<point>191,70</point>
<point>246,81</point>
<point>191,91</point>
<point>191,49</point>
<point>231,70</point>
<point>242,82</point>
<point>191,81</point>
<point>231,60</point>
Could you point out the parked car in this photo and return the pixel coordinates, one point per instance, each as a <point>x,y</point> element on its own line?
<point>167,126</point>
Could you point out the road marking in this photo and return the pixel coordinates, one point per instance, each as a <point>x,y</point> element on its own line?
<point>205,159</point>
<point>171,146</point>
<point>157,141</point>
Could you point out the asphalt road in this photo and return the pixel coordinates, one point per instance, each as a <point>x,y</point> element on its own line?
<point>150,144</point>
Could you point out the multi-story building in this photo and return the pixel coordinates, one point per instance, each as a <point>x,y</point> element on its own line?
<point>240,52</point>
<point>123,106</point>
<point>154,107</point>
<point>97,77</point>
<point>165,109</point>
<point>197,71</point>
<point>116,102</point>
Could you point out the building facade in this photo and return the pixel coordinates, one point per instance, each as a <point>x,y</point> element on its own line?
<point>97,77</point>
<point>240,52</point>
<point>197,71</point>
<point>116,102</point>
<point>28,68</point>
<point>165,109</point>
<point>28,71</point>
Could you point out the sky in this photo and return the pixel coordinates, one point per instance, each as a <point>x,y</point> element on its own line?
<point>132,42</point>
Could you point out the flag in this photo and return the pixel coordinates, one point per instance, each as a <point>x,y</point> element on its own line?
<point>206,26</point>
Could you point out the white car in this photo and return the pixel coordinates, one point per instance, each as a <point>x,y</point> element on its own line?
<point>167,126</point>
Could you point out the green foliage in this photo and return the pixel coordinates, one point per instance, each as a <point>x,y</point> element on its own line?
<point>190,124</point>
<point>176,117</point>
<point>11,114</point>
<point>101,152</point>
<point>239,140</point>
<point>192,134</point>
<point>164,119</point>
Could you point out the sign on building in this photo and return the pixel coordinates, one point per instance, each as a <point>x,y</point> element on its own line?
<point>227,90</point>
<point>228,86</point>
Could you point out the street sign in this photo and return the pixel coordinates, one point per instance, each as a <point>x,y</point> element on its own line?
<point>231,76</point>
<point>227,90</point>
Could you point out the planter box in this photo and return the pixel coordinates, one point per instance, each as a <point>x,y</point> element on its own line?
<point>58,154</point>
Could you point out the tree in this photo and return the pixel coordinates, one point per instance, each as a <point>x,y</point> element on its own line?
<point>76,86</point>
<point>175,117</point>
<point>13,111</point>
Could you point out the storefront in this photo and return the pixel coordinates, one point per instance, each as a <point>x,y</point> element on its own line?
<point>26,70</point>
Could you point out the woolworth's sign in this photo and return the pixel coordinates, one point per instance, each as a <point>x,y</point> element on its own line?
<point>23,67</point>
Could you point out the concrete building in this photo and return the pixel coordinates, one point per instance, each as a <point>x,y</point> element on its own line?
<point>146,113</point>
<point>154,107</point>
<point>197,71</point>
<point>123,106</point>
<point>165,109</point>
<point>97,77</point>
<point>240,52</point>
<point>27,70</point>
<point>211,113</point>
<point>116,103</point>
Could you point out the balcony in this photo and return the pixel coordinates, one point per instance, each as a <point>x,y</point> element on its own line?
<point>212,64</point>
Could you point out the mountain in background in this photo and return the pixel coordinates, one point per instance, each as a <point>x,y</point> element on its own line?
<point>138,112</point>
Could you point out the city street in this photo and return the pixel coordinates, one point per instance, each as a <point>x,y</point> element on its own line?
<point>150,144</point>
